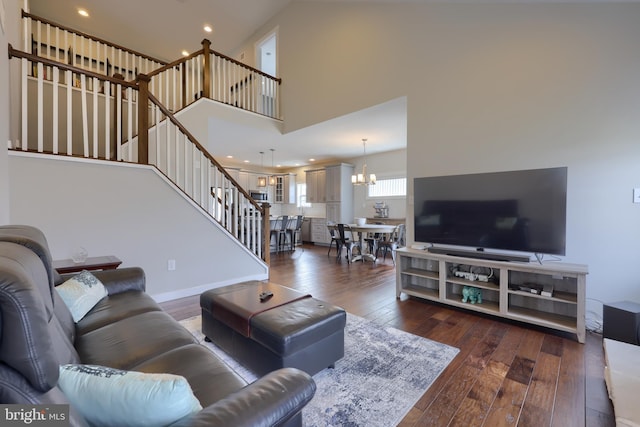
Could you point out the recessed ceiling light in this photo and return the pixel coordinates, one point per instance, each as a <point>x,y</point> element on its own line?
<point>185,53</point>
<point>208,28</point>
<point>83,12</point>
<point>247,161</point>
<point>312,160</point>
<point>229,157</point>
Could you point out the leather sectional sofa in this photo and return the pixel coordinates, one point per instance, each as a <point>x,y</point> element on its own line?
<point>126,330</point>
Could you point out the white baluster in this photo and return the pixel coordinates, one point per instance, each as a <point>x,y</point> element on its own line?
<point>54,124</point>
<point>96,84</point>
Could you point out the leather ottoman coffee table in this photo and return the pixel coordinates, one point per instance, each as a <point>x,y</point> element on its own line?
<point>287,329</point>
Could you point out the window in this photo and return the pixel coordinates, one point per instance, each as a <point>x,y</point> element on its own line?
<point>302,196</point>
<point>391,187</point>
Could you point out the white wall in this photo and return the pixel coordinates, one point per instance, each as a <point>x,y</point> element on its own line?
<point>491,87</point>
<point>215,124</point>
<point>9,33</point>
<point>131,212</point>
<point>4,128</point>
<point>392,164</point>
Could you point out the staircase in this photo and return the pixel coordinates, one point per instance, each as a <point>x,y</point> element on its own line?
<point>84,97</point>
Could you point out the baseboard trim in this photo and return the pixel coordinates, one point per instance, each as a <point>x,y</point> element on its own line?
<point>197,290</point>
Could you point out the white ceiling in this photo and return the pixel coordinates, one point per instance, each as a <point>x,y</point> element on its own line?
<point>243,136</point>
<point>163,28</point>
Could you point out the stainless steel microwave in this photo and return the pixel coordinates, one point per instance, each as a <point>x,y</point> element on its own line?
<point>259,196</point>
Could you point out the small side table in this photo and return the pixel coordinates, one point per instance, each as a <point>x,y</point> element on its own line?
<point>108,262</point>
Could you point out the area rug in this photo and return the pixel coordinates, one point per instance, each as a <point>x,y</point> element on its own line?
<point>382,375</point>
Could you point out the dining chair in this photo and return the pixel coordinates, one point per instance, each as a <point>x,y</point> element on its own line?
<point>395,240</point>
<point>294,229</point>
<point>345,234</point>
<point>280,231</point>
<point>374,239</point>
<point>335,237</point>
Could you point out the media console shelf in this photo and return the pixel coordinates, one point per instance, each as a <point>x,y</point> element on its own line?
<point>513,290</point>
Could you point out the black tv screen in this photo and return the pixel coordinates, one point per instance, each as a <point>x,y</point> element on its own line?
<point>521,210</point>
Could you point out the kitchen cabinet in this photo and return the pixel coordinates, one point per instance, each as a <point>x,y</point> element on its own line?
<point>339,190</point>
<point>248,180</point>
<point>306,230</point>
<point>234,173</point>
<point>285,188</point>
<point>316,185</point>
<point>332,186</point>
<point>243,180</point>
<point>319,231</point>
<point>340,212</point>
<point>338,186</point>
<point>252,181</point>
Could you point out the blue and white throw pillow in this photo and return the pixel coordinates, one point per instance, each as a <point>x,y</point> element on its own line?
<point>113,397</point>
<point>81,293</point>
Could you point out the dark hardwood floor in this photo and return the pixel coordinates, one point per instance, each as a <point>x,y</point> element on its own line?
<point>506,373</point>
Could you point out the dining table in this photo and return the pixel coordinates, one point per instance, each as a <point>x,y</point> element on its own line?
<point>362,230</point>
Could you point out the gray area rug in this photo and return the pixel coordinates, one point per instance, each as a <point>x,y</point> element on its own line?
<point>382,375</point>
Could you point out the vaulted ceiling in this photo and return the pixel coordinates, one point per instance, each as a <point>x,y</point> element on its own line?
<point>163,28</point>
<point>144,25</point>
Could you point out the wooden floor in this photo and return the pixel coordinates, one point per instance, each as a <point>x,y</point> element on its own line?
<point>506,374</point>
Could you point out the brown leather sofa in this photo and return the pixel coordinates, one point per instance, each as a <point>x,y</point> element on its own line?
<point>125,330</point>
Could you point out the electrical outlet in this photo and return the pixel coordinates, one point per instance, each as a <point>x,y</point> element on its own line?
<point>171,264</point>
<point>636,195</point>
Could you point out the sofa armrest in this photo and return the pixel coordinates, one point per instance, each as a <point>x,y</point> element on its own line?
<point>270,401</point>
<point>118,280</point>
<point>15,389</point>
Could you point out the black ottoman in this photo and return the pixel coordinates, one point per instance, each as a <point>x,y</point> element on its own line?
<point>290,329</point>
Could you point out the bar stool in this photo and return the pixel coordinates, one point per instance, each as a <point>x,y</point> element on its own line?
<point>280,231</point>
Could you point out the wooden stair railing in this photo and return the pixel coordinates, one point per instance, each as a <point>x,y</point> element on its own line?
<point>177,154</point>
<point>51,40</point>
<point>98,106</point>
<point>60,102</point>
<point>205,73</point>
<point>210,74</point>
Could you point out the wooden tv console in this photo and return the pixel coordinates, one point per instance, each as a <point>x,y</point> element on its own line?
<point>508,293</point>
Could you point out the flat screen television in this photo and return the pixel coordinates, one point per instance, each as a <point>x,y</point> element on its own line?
<point>523,211</point>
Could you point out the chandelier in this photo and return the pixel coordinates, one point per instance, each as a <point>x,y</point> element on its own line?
<point>262,180</point>
<point>363,178</point>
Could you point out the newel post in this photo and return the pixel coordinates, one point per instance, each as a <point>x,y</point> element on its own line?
<point>113,144</point>
<point>206,73</point>
<point>143,118</point>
